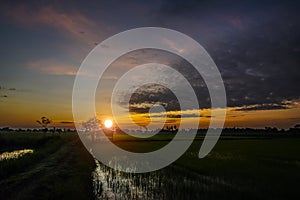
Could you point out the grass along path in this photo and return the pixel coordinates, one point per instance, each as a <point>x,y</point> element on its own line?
<point>64,174</point>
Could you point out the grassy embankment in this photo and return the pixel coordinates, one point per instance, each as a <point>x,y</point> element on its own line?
<point>59,168</point>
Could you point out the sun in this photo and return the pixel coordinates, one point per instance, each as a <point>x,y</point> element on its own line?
<point>108,123</point>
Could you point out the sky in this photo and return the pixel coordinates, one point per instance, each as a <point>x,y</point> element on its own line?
<point>255,45</point>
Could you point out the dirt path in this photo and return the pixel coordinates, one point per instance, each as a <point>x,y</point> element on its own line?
<point>51,178</point>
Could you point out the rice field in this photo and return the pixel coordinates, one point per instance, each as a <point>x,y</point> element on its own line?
<point>237,168</point>
<point>59,167</point>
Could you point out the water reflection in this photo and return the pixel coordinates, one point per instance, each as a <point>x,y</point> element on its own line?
<point>14,154</point>
<point>173,182</point>
<point>112,184</point>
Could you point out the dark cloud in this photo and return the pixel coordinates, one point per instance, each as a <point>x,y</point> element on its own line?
<point>152,94</point>
<point>259,60</point>
<point>66,122</point>
<point>189,116</point>
<point>184,116</point>
<point>148,95</point>
<point>255,44</point>
<point>171,121</point>
<point>5,90</point>
<point>262,107</point>
<point>259,71</point>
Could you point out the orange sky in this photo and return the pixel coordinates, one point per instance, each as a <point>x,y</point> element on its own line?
<point>24,113</point>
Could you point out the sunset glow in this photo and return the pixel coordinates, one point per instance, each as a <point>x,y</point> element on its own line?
<point>39,65</point>
<point>108,123</point>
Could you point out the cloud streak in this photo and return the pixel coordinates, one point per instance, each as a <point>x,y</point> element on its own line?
<point>72,24</point>
<point>52,67</point>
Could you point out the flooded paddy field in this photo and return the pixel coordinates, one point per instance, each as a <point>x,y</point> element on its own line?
<point>59,167</point>
<point>251,168</point>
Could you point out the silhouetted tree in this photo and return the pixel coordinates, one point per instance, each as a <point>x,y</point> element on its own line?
<point>92,124</point>
<point>297,126</point>
<point>44,123</point>
<point>175,128</point>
